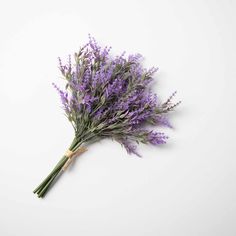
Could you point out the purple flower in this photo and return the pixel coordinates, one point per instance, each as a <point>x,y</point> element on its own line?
<point>156,138</point>
<point>64,98</point>
<point>130,147</point>
<point>163,120</point>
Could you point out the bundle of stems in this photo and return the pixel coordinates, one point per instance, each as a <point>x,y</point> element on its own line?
<point>42,189</point>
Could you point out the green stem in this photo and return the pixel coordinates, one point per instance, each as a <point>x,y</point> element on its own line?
<point>42,189</point>
<point>46,187</point>
<point>51,174</point>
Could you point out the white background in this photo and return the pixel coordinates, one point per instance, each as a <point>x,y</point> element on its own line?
<point>184,188</point>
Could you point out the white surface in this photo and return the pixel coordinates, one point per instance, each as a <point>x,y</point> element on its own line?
<point>185,188</point>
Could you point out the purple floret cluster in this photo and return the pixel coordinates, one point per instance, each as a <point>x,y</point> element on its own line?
<point>110,96</point>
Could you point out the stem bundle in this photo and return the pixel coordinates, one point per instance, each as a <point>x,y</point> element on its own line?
<point>43,188</point>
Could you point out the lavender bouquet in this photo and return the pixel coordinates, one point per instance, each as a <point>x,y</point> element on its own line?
<point>108,97</point>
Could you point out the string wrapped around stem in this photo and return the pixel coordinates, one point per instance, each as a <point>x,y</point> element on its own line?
<point>71,155</point>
